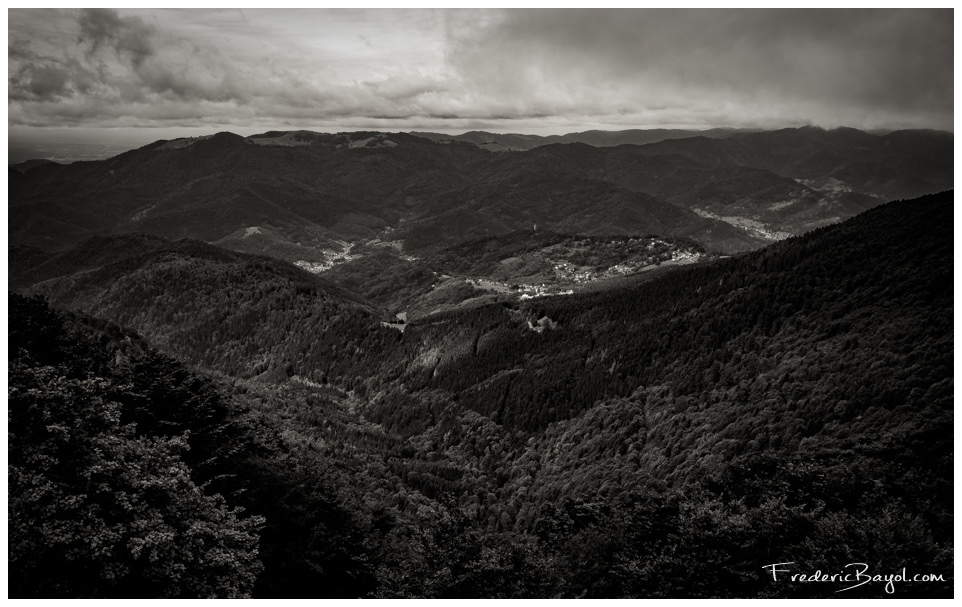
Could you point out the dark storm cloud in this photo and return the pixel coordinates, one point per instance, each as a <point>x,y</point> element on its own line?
<point>495,69</point>
<point>39,77</point>
<point>126,67</point>
<point>203,66</point>
<point>158,64</point>
<point>128,36</point>
<point>818,63</point>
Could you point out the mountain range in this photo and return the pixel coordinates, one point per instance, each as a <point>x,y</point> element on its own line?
<point>304,193</point>
<point>515,141</point>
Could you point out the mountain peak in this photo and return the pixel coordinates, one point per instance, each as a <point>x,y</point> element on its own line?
<point>225,139</point>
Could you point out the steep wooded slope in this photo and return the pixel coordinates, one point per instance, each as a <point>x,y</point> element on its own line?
<point>239,314</point>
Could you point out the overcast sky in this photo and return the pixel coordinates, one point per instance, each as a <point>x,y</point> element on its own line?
<point>134,76</point>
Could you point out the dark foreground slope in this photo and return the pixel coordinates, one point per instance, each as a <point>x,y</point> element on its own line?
<point>670,439</point>
<point>132,476</point>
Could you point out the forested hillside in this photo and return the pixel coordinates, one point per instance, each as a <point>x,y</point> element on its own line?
<point>660,438</point>
<point>238,314</point>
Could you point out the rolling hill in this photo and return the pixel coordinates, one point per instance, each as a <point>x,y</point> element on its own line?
<point>221,310</point>
<point>514,141</point>
<point>306,193</point>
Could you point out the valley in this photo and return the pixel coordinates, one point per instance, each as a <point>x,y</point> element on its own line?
<point>756,228</point>
<point>433,370</point>
<point>515,266</point>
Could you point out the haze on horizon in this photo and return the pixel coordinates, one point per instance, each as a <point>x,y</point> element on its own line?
<point>93,82</point>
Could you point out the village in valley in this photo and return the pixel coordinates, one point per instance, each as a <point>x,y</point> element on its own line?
<point>580,262</point>
<point>520,266</point>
